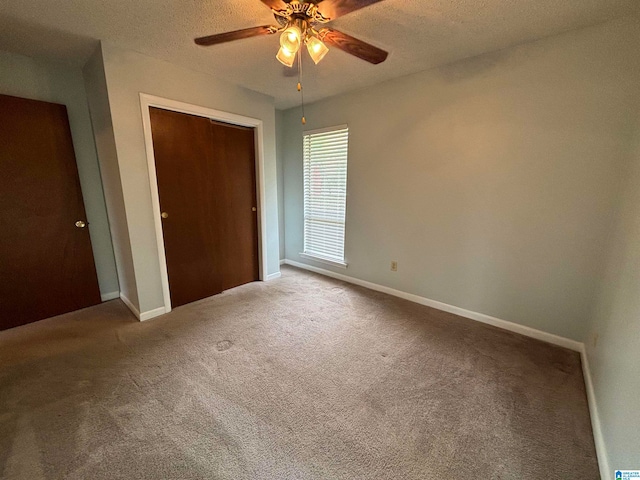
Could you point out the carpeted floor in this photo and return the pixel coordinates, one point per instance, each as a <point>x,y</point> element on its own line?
<point>301,378</point>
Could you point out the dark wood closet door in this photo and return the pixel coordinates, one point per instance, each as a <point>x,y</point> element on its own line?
<point>235,181</point>
<point>207,190</point>
<point>46,261</point>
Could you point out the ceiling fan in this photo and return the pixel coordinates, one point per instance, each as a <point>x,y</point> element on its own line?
<point>303,22</point>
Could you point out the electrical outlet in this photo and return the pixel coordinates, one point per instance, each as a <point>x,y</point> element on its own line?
<point>394,266</point>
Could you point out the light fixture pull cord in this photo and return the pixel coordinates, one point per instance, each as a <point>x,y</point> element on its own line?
<point>304,120</point>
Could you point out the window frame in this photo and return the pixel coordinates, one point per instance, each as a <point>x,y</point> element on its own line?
<point>310,255</point>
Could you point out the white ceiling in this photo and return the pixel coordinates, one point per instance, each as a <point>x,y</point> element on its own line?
<point>419,34</point>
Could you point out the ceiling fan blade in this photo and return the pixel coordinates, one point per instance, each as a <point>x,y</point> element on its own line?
<point>353,46</point>
<point>235,35</point>
<point>333,9</point>
<point>275,4</point>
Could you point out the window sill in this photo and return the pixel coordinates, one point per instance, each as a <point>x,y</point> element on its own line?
<point>326,261</point>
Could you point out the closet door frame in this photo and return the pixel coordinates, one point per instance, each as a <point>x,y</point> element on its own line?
<point>147,101</point>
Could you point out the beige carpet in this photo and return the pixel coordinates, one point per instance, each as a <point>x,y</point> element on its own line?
<point>303,377</point>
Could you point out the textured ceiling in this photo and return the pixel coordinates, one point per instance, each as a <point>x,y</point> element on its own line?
<point>419,34</point>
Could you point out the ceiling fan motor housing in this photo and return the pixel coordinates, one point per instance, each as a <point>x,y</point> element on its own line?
<point>299,12</point>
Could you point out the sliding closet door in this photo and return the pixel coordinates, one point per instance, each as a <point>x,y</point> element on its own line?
<point>207,190</point>
<point>235,181</point>
<point>46,259</point>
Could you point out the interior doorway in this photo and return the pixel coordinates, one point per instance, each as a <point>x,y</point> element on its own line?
<point>206,180</point>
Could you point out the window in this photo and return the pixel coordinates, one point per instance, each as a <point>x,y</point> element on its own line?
<point>325,194</point>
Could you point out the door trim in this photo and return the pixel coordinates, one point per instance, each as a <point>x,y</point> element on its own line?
<point>147,101</point>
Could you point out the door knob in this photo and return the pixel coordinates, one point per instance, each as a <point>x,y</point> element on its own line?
<point>80,224</point>
<point>164,215</point>
<point>253,209</point>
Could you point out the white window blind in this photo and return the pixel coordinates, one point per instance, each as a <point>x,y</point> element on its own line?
<point>325,193</point>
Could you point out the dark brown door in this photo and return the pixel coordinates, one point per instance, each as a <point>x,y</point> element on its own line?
<point>207,188</point>
<point>46,261</point>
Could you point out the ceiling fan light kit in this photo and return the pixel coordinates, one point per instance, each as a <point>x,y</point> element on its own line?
<point>297,30</point>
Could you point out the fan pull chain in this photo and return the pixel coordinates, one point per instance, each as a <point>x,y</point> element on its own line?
<point>304,120</point>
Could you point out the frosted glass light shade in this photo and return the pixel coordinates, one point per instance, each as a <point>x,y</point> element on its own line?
<point>317,49</point>
<point>291,39</point>
<point>286,57</point>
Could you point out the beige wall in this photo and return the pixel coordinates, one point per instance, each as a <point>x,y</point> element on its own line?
<point>614,335</point>
<point>492,181</point>
<point>280,136</point>
<point>22,76</point>
<point>98,97</point>
<point>128,74</point>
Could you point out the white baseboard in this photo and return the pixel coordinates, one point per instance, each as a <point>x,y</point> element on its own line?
<point>283,261</point>
<point>601,448</point>
<point>144,315</point>
<point>105,297</point>
<point>149,314</point>
<point>273,276</point>
<point>480,317</point>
